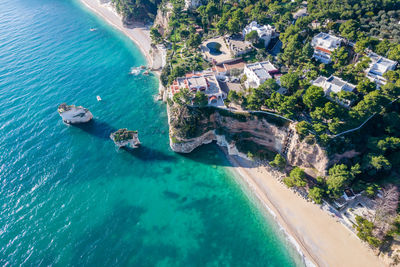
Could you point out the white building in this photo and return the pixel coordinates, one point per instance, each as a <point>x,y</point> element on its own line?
<point>335,85</point>
<point>258,73</point>
<point>379,66</point>
<point>324,44</point>
<point>265,32</point>
<point>205,82</point>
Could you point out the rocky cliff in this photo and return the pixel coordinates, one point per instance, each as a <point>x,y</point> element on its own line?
<point>161,21</point>
<point>262,135</point>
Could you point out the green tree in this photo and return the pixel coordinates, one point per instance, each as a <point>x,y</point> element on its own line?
<point>314,97</point>
<point>183,97</point>
<point>339,177</point>
<point>316,194</point>
<point>200,99</point>
<point>394,53</point>
<point>372,164</point>
<point>184,34</point>
<point>290,81</point>
<point>372,103</point>
<point>382,47</point>
<point>365,86</point>
<point>303,128</point>
<point>361,45</point>
<point>194,40</point>
<point>233,96</point>
<point>339,57</point>
<point>364,231</point>
<point>233,26</point>
<point>259,95</point>
<point>278,162</point>
<point>291,50</point>
<point>296,178</point>
<point>391,90</point>
<point>307,51</point>
<point>348,30</point>
<point>155,35</point>
<point>252,37</point>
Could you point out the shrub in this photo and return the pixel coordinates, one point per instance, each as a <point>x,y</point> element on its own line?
<point>278,162</point>
<point>316,194</point>
<point>296,178</point>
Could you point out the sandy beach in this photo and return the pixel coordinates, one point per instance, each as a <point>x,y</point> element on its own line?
<point>323,240</point>
<point>138,33</point>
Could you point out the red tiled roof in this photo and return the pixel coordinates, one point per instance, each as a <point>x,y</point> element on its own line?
<point>323,49</point>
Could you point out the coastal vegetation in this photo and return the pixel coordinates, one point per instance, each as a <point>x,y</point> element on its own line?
<point>138,10</point>
<point>366,130</point>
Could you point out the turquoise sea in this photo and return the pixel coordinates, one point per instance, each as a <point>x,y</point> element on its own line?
<point>69,197</point>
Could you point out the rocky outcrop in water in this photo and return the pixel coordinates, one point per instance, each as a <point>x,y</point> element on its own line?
<point>240,132</point>
<point>72,114</point>
<point>125,138</point>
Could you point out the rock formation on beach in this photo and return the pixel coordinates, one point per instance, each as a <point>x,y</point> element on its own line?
<point>72,114</point>
<point>125,138</point>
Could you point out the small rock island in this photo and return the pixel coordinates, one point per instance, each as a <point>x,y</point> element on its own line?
<point>72,114</point>
<point>125,138</point>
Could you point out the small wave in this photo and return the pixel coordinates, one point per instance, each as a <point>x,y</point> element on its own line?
<point>135,71</point>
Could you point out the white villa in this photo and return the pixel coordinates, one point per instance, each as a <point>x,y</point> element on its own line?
<point>202,81</point>
<point>379,66</point>
<point>324,44</point>
<point>334,84</point>
<point>265,32</point>
<point>258,73</point>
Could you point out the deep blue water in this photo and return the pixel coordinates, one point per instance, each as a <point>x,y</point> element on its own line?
<point>69,197</point>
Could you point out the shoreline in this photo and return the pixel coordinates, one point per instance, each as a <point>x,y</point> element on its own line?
<point>318,237</point>
<point>262,185</point>
<point>139,34</point>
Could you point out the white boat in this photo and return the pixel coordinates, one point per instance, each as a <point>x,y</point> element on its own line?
<point>93,29</point>
<point>98,98</point>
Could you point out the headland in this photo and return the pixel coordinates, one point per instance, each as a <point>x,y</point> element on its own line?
<point>320,237</point>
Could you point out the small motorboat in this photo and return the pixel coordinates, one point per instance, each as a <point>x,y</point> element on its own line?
<point>146,72</point>
<point>92,29</point>
<point>98,98</point>
<point>143,67</point>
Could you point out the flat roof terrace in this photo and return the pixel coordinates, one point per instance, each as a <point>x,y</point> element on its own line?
<point>225,53</point>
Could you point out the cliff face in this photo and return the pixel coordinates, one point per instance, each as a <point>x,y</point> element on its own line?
<point>240,133</point>
<point>161,21</point>
<point>307,155</point>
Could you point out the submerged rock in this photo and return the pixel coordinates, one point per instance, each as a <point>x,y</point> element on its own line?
<point>125,138</point>
<point>72,114</point>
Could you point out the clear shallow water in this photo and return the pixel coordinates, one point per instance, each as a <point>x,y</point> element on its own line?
<point>69,197</point>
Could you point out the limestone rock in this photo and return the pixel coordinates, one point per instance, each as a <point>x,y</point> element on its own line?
<point>72,114</point>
